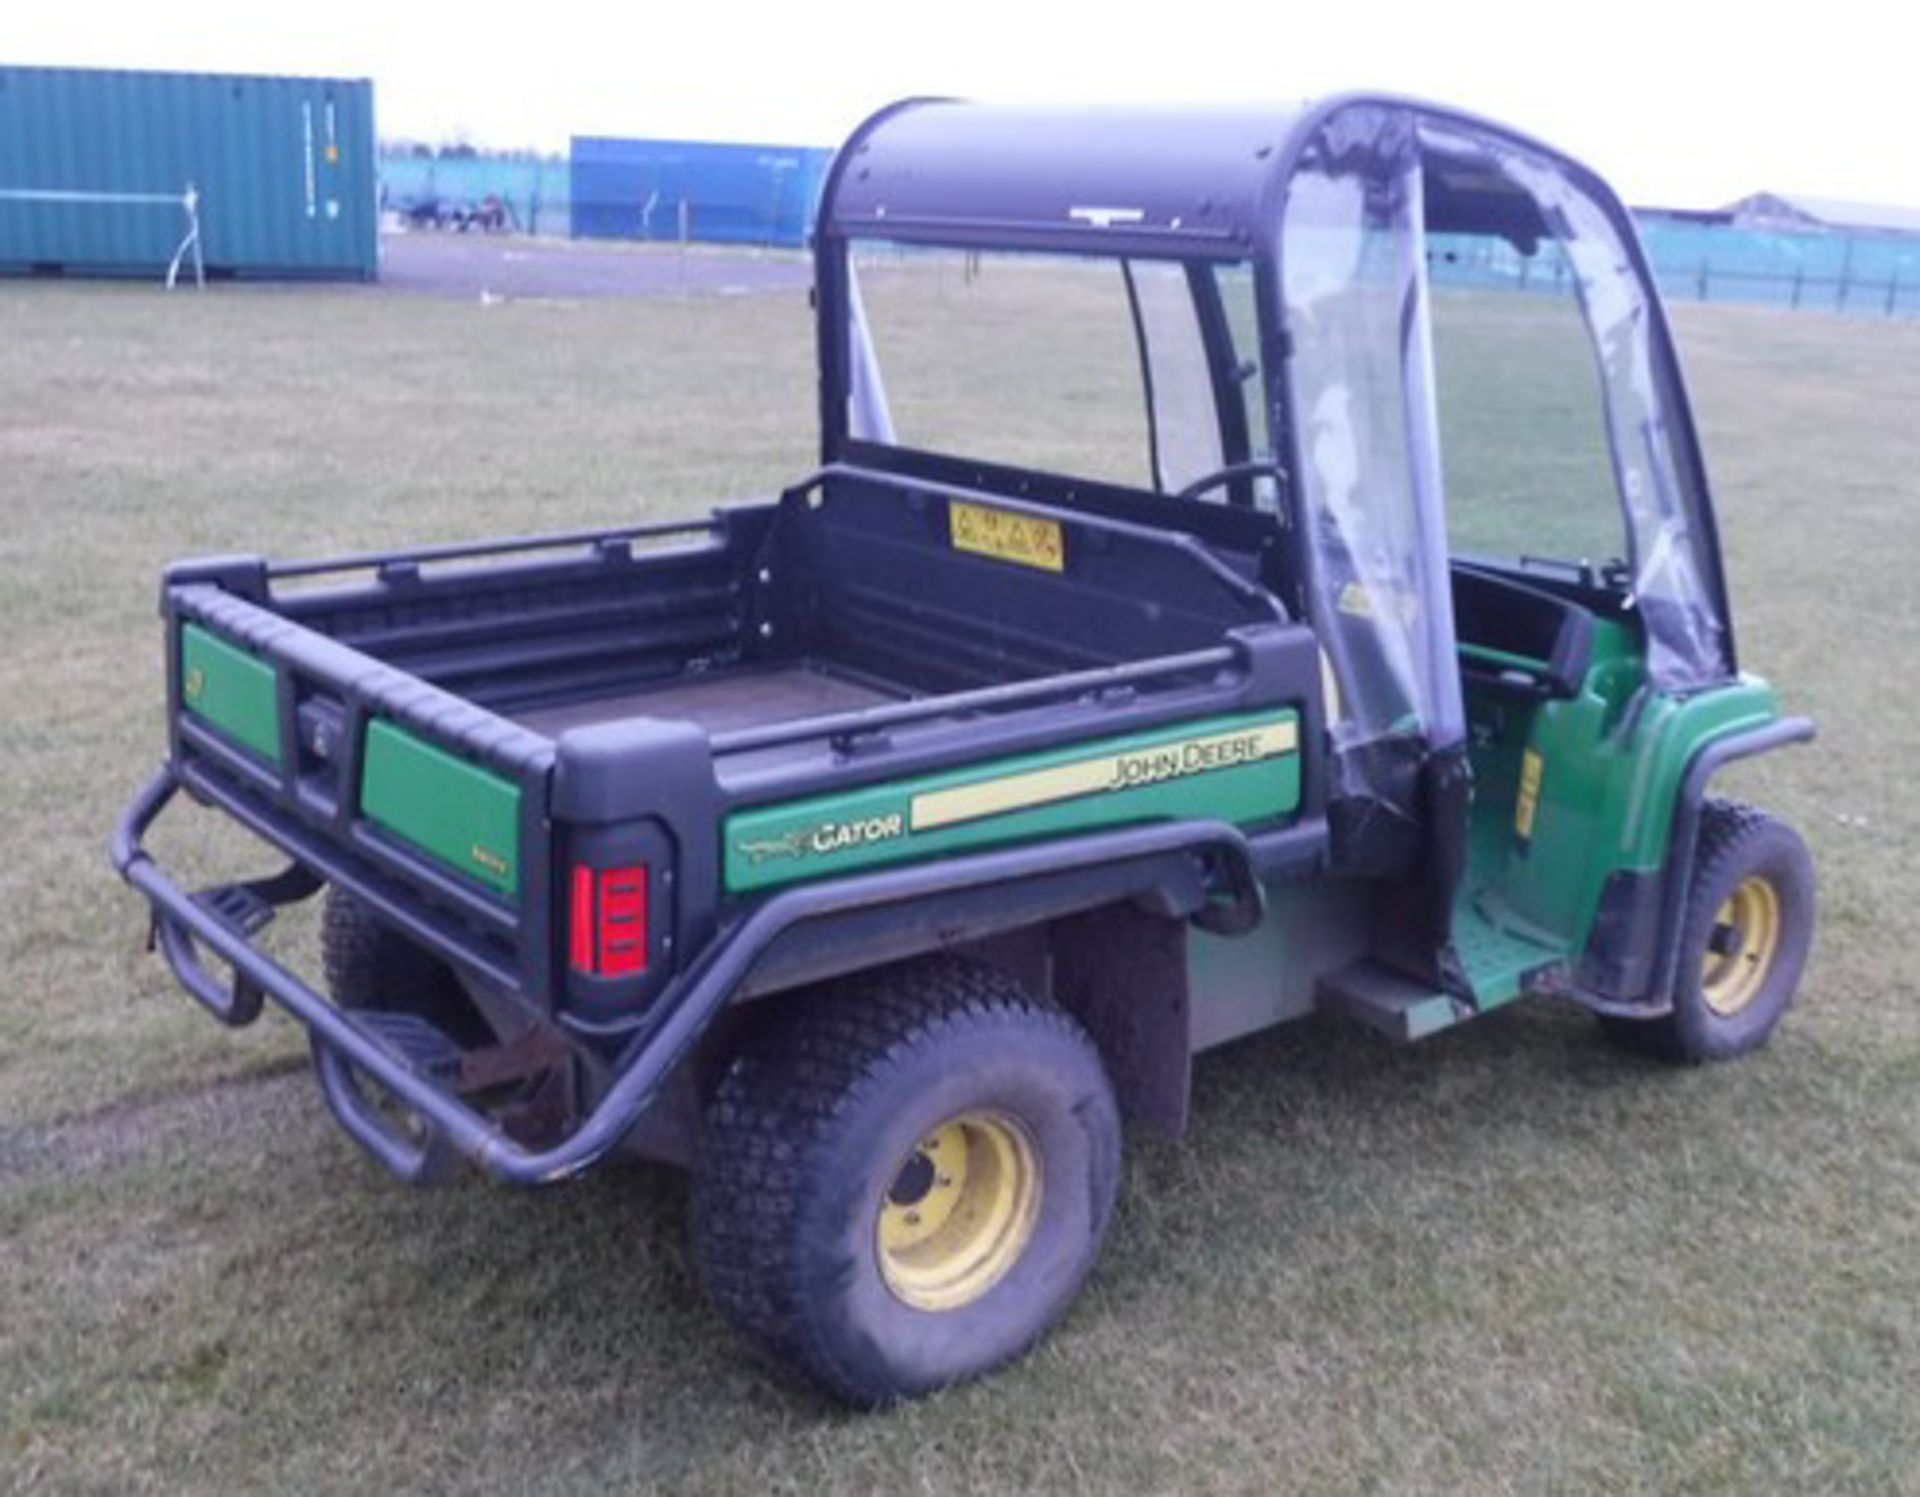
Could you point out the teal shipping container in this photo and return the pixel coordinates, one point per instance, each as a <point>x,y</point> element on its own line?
<point>97,166</point>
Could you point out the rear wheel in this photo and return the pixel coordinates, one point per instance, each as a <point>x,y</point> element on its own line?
<point>906,1178</point>
<point>1747,932</point>
<point>369,966</point>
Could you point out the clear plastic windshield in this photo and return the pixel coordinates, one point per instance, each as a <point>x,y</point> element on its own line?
<point>1354,282</point>
<point>1671,551</point>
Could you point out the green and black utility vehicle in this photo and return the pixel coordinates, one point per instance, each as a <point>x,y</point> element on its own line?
<point>1260,563</point>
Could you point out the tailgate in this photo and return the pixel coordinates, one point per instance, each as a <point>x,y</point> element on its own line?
<point>430,808</point>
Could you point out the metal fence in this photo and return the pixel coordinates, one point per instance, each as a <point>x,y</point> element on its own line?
<point>533,195</point>
<point>1870,275</point>
<point>1863,275</point>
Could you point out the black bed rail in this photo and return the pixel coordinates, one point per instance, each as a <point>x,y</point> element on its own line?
<point>848,726</point>
<point>368,561</point>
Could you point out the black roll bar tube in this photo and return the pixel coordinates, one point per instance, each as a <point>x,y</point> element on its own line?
<point>365,561</point>
<point>985,698</point>
<point>348,1054</point>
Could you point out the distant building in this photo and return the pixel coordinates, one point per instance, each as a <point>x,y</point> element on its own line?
<point>1797,211</point>
<point>1706,218</point>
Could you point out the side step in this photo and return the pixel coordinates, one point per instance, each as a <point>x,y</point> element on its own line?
<point>1398,1007</point>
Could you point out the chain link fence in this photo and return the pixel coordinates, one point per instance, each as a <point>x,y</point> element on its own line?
<point>1856,274</point>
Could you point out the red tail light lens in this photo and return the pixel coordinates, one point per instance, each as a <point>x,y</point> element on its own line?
<point>607,932</point>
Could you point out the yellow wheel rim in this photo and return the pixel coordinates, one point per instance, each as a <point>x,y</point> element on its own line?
<point>1741,946</point>
<point>960,1211</point>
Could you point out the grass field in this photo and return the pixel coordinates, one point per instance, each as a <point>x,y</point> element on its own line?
<point>1510,1259</point>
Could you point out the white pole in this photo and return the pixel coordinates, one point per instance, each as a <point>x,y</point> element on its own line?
<point>190,204</point>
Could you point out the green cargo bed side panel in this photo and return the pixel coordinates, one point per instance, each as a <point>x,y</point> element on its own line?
<point>1241,769</point>
<point>467,817</point>
<point>233,692</point>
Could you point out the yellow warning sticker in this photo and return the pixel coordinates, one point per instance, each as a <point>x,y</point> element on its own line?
<point>1026,540</point>
<point>1357,600</point>
<point>1528,801</point>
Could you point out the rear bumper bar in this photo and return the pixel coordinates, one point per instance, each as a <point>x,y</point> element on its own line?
<point>350,1057</point>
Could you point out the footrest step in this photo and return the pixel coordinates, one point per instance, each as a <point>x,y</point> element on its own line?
<point>1396,1006</point>
<point>425,1048</point>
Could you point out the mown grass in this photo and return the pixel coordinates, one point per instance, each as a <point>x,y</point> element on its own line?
<point>1509,1259</point>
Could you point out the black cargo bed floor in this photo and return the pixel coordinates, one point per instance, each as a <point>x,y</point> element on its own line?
<point>722,701</point>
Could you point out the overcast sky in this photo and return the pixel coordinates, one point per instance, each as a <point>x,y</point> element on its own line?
<point>1679,103</point>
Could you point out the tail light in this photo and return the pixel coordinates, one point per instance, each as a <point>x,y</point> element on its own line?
<point>607,934</point>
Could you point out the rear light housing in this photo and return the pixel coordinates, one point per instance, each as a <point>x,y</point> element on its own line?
<point>609,920</point>
<point>613,922</point>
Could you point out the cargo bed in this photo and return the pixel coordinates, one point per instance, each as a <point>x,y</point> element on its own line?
<point>440,730</point>
<point>852,596</point>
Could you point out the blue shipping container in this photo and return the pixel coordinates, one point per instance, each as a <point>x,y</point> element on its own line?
<point>660,189</point>
<point>283,169</point>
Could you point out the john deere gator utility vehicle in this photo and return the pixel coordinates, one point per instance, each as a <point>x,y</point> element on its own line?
<point>1260,563</point>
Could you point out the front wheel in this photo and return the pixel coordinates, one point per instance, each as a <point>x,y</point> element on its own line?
<point>906,1178</point>
<point>1747,932</point>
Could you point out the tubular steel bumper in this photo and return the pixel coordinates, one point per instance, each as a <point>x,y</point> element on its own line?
<point>348,1056</point>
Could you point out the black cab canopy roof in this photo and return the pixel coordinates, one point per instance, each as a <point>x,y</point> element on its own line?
<point>1186,180</point>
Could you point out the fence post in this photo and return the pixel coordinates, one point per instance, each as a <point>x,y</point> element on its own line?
<point>1799,273</point>
<point>685,216</point>
<point>1893,289</point>
<point>1703,278</point>
<point>1846,276</point>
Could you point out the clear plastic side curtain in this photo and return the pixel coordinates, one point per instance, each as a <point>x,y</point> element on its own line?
<point>869,419</point>
<point>1354,280</point>
<point>1686,633</point>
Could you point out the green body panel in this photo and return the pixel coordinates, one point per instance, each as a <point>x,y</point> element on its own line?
<point>463,815</point>
<point>1225,768</point>
<point>1610,769</point>
<point>1501,961</point>
<point>1612,760</point>
<point>231,691</point>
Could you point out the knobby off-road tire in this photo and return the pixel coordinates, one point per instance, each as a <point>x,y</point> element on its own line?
<point>906,1178</point>
<point>368,966</point>
<point>1744,942</point>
